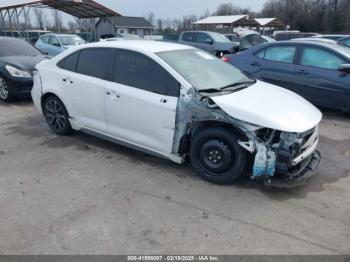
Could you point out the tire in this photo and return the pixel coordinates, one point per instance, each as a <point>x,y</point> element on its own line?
<point>57,116</point>
<point>217,157</point>
<point>5,92</point>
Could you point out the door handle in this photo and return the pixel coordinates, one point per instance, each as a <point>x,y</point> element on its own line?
<point>67,80</point>
<point>302,72</point>
<point>112,94</point>
<point>255,64</point>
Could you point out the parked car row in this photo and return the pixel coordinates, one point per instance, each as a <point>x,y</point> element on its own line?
<point>31,36</point>
<point>216,43</point>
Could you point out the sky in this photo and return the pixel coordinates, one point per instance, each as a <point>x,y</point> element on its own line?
<point>174,8</point>
<point>163,8</point>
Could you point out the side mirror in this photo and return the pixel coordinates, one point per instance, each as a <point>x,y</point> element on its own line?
<point>208,41</point>
<point>344,68</point>
<point>56,44</point>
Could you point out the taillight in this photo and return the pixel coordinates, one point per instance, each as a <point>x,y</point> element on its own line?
<point>226,59</point>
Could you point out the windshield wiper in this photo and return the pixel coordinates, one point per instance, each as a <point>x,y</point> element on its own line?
<point>217,90</point>
<point>210,90</point>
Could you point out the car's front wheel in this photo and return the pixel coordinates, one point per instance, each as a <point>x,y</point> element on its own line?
<point>56,115</point>
<point>5,94</point>
<point>217,157</point>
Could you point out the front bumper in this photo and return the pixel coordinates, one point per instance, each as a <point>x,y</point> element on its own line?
<point>300,174</point>
<point>19,87</point>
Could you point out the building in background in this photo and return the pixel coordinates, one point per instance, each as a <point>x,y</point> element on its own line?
<point>226,24</point>
<point>124,25</point>
<point>267,26</point>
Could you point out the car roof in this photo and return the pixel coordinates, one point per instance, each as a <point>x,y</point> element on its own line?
<point>142,45</point>
<point>315,39</point>
<point>55,34</point>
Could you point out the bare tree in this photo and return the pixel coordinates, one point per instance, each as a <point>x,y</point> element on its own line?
<point>230,9</point>
<point>150,17</point>
<point>311,15</point>
<point>39,16</point>
<point>72,26</point>
<point>57,20</point>
<point>160,25</point>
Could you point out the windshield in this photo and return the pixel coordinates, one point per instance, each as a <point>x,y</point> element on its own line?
<point>202,70</point>
<point>251,41</point>
<point>70,39</point>
<point>16,47</point>
<point>219,37</point>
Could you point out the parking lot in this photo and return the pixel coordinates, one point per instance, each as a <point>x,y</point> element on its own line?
<point>82,195</point>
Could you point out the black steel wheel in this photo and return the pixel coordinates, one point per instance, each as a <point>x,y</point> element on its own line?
<point>4,91</point>
<point>56,116</point>
<point>216,156</point>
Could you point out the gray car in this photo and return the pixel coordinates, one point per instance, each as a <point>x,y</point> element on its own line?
<point>211,42</point>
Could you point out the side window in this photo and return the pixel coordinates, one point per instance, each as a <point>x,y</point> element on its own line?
<point>261,53</point>
<point>54,41</point>
<point>45,39</point>
<point>95,62</point>
<point>70,63</point>
<point>311,57</point>
<point>346,42</point>
<point>189,37</point>
<point>139,71</point>
<point>284,54</point>
<point>203,38</point>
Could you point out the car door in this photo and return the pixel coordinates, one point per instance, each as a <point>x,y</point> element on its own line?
<point>55,47</point>
<point>274,64</point>
<point>317,77</point>
<point>141,102</point>
<point>205,42</point>
<point>43,44</point>
<point>83,82</point>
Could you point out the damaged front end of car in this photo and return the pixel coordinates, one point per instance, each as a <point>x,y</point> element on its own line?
<point>278,158</point>
<point>283,158</point>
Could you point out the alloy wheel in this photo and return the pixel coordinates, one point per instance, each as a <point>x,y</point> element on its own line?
<point>55,115</point>
<point>4,91</point>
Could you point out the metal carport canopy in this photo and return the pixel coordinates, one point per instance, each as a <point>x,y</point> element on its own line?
<point>76,8</point>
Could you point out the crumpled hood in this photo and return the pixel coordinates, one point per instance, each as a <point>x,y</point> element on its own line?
<point>272,107</point>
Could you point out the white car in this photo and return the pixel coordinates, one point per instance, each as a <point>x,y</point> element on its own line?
<point>175,101</point>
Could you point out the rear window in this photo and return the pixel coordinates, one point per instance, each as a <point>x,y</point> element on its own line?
<point>95,62</point>
<point>70,63</point>
<point>189,37</point>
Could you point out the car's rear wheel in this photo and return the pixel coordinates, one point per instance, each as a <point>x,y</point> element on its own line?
<point>5,94</point>
<point>57,116</point>
<point>217,157</point>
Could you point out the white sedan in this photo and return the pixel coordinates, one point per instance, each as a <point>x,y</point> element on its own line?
<point>175,101</point>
